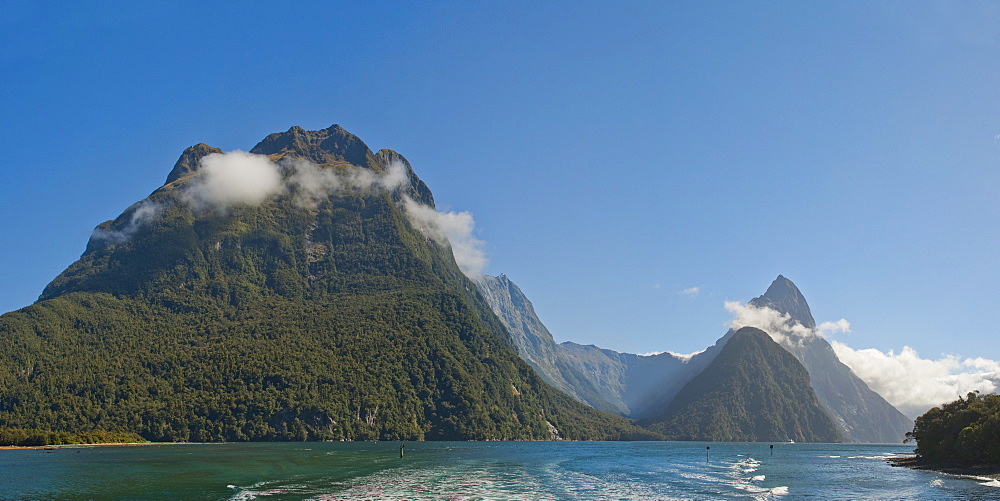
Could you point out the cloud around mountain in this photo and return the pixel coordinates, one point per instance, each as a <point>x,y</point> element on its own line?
<point>910,383</point>
<point>237,177</point>
<point>915,384</point>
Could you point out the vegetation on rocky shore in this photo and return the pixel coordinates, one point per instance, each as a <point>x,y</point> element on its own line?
<point>965,432</point>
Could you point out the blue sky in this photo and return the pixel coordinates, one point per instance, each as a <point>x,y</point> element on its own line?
<point>614,154</point>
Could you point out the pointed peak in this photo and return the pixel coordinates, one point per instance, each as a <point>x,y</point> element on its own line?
<point>785,298</point>
<point>189,161</point>
<point>782,286</point>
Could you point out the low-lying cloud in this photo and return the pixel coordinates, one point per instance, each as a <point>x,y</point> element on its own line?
<point>910,383</point>
<point>237,177</point>
<point>454,228</point>
<point>145,212</point>
<point>915,384</point>
<point>311,184</point>
<point>781,327</point>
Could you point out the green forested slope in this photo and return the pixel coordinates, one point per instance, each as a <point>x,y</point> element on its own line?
<point>966,431</point>
<point>754,390</point>
<point>276,322</point>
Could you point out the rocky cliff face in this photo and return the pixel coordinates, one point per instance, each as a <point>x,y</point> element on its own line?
<point>532,339</point>
<point>535,344</point>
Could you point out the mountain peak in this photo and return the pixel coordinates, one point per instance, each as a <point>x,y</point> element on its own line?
<point>784,297</point>
<point>188,162</point>
<point>332,145</point>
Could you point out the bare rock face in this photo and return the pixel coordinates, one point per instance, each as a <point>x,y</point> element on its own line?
<point>535,344</point>
<point>784,297</point>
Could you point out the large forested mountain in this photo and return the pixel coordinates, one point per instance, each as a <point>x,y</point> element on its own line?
<point>286,294</point>
<point>752,391</point>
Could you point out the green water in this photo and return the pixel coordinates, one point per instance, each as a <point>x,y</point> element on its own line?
<point>477,471</point>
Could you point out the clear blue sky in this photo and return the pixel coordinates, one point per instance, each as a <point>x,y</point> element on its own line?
<point>613,154</point>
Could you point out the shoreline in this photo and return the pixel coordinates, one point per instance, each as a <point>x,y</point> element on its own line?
<point>88,446</point>
<point>980,471</point>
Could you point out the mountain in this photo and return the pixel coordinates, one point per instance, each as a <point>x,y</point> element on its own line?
<point>753,390</point>
<point>864,416</point>
<point>635,386</point>
<point>643,386</point>
<point>298,291</point>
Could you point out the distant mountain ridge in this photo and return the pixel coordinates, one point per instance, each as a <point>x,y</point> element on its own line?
<point>622,383</point>
<point>644,386</point>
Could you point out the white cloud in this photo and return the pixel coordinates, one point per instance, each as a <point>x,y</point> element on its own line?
<point>911,384</point>
<point>685,357</point>
<point>394,177</point>
<point>692,291</point>
<point>312,183</point>
<point>366,179</point>
<point>451,227</point>
<point>828,329</point>
<point>144,212</point>
<point>914,384</point>
<point>237,177</point>
<point>780,327</point>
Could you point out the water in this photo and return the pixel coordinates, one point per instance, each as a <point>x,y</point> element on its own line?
<point>478,471</point>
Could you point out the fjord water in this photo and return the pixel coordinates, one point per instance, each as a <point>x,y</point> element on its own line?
<point>476,470</point>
